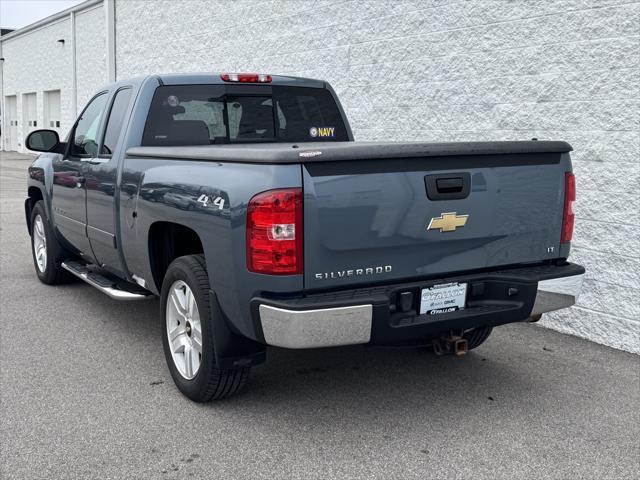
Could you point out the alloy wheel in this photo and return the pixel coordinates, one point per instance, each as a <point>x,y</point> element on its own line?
<point>40,244</point>
<point>184,330</point>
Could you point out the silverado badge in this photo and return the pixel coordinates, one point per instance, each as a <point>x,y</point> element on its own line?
<point>447,222</point>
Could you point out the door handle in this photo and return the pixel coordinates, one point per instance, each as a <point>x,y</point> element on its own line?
<point>94,160</point>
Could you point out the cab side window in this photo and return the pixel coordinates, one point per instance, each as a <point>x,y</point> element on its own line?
<point>115,121</point>
<point>85,134</point>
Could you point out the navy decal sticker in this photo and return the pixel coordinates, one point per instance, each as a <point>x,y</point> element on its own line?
<point>322,132</point>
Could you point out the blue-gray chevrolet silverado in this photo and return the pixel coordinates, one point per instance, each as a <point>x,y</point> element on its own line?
<point>244,203</point>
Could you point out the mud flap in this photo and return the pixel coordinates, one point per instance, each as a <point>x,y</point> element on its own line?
<point>232,350</point>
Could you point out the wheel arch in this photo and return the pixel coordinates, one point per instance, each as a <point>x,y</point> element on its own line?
<point>34,195</point>
<point>167,241</point>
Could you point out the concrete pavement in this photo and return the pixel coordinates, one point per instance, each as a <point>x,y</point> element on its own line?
<point>85,394</point>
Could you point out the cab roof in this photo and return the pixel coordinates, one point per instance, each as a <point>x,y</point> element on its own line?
<point>216,78</point>
<point>212,78</point>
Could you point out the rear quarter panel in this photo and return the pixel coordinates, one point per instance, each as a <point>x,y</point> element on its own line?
<point>168,190</point>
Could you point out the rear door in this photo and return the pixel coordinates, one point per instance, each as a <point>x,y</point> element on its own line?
<point>101,176</point>
<point>401,219</point>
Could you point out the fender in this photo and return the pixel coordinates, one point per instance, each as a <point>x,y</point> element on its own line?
<point>40,176</point>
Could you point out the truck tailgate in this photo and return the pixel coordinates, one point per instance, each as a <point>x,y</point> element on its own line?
<point>386,220</point>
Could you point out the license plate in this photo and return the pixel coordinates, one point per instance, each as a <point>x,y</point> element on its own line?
<point>444,298</point>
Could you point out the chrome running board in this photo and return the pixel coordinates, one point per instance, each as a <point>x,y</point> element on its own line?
<point>116,289</point>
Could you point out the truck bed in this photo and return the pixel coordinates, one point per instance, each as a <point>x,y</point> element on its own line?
<point>371,208</point>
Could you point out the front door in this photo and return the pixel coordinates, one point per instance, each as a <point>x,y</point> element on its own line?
<point>69,189</point>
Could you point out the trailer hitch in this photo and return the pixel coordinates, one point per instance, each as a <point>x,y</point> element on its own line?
<point>451,343</point>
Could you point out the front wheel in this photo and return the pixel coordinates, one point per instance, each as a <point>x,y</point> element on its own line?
<point>47,252</point>
<point>188,334</point>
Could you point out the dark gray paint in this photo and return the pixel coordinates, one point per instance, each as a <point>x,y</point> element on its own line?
<point>380,219</point>
<point>163,192</point>
<point>101,175</point>
<point>350,220</point>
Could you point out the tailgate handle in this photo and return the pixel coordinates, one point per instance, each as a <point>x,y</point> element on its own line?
<point>448,186</point>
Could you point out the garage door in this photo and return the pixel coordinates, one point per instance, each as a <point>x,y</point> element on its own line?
<point>29,113</point>
<point>52,110</point>
<point>11,119</point>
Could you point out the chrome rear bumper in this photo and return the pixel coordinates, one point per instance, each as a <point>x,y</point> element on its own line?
<point>327,327</point>
<point>557,293</point>
<point>352,324</point>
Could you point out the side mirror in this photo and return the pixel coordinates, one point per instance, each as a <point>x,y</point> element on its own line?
<point>43,141</point>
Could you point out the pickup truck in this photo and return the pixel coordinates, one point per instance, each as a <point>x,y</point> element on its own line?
<point>243,202</point>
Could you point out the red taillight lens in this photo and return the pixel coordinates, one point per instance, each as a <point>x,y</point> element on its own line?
<point>246,77</point>
<point>568,217</point>
<point>274,232</point>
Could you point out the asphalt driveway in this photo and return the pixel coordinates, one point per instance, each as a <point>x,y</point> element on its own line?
<point>85,394</point>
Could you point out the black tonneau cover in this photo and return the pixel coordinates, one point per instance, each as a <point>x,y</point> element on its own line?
<point>287,153</point>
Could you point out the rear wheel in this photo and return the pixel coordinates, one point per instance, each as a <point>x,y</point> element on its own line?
<point>477,336</point>
<point>48,254</point>
<point>188,334</point>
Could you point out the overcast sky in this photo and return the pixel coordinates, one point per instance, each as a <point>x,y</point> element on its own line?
<point>20,13</point>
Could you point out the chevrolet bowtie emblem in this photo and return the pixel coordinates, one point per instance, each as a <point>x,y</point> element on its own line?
<point>447,222</point>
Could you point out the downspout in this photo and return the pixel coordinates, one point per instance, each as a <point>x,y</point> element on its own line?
<point>3,123</point>
<point>74,73</point>
<point>110,14</point>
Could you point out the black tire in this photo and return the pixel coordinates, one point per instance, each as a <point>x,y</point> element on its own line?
<point>210,382</point>
<point>53,273</point>
<point>477,336</point>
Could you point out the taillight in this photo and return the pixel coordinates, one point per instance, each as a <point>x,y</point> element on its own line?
<point>246,77</point>
<point>274,232</point>
<point>568,217</point>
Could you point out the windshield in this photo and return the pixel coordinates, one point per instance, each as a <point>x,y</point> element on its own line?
<point>217,114</point>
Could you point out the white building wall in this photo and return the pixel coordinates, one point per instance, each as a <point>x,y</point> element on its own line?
<point>433,70</point>
<point>36,62</point>
<point>452,71</point>
<point>91,54</point>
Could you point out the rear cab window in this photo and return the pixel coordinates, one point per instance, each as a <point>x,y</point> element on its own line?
<point>221,114</point>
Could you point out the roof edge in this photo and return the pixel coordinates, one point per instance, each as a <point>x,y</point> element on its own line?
<point>51,18</point>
